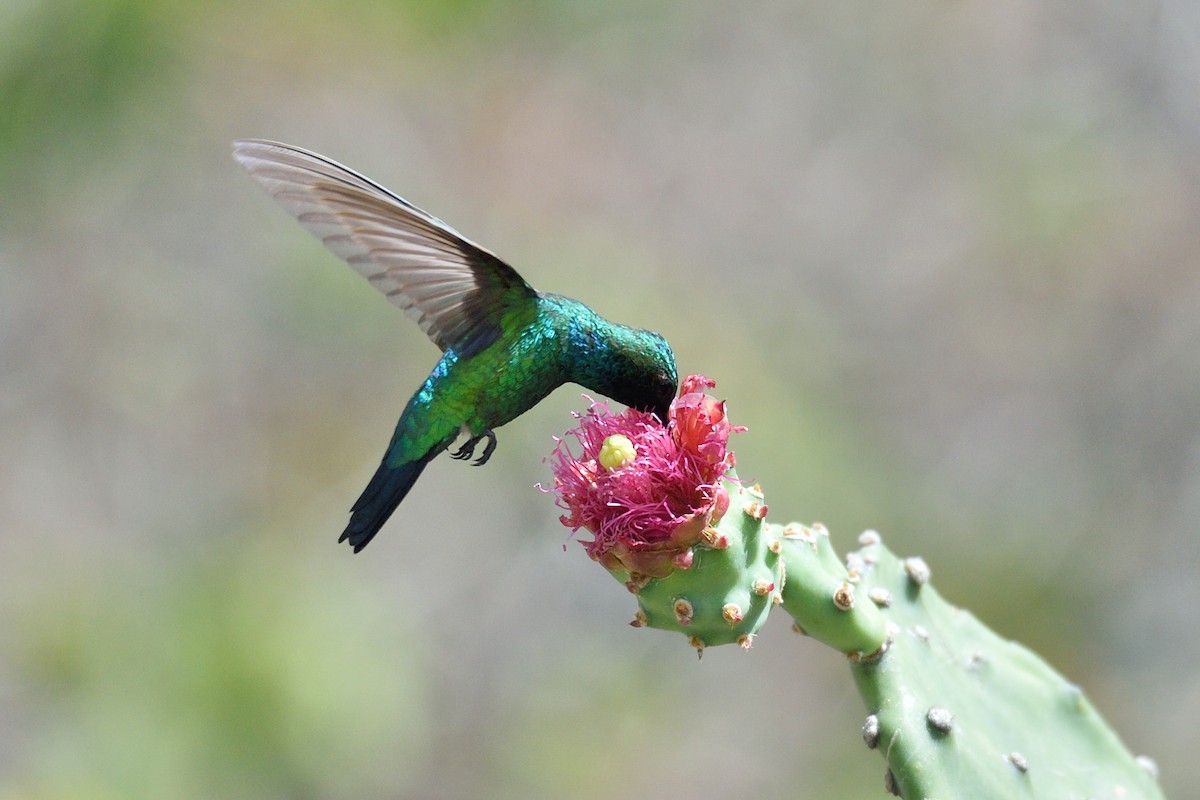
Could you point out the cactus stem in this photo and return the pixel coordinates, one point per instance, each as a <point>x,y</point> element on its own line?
<point>815,576</point>
<point>1149,764</point>
<point>717,574</point>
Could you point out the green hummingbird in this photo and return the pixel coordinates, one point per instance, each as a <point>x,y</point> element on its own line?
<point>504,345</point>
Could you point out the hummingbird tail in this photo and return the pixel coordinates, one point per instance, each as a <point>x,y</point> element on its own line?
<point>377,502</point>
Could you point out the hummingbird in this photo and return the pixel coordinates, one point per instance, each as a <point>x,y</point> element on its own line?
<point>504,345</point>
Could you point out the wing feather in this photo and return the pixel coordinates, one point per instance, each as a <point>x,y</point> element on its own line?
<point>456,290</point>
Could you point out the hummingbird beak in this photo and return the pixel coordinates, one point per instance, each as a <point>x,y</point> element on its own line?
<point>667,389</point>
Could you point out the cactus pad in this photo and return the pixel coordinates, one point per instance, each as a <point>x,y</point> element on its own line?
<point>958,711</point>
<point>731,580</point>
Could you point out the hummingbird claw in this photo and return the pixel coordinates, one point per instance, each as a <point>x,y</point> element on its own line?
<point>488,448</point>
<point>468,448</point>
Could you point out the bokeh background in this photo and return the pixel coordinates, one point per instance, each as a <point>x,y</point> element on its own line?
<point>942,259</point>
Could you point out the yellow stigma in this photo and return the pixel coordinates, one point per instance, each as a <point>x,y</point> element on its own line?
<point>617,451</point>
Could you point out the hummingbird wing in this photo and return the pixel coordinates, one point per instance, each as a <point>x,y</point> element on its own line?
<point>456,290</point>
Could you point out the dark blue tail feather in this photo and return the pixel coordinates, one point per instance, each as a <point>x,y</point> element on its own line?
<point>377,502</point>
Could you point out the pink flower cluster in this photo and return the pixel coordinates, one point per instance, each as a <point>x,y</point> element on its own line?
<point>646,514</point>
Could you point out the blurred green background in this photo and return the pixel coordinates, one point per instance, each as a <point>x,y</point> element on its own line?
<point>942,259</point>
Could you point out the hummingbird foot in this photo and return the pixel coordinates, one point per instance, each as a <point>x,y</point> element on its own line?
<point>468,448</point>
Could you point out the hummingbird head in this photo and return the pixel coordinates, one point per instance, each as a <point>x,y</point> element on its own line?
<point>647,379</point>
<point>633,366</point>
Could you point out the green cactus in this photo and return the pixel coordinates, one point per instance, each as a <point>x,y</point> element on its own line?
<point>730,586</point>
<point>743,566</point>
<point>955,710</point>
<point>959,712</point>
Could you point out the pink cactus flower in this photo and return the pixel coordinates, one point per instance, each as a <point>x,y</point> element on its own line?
<point>646,492</point>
